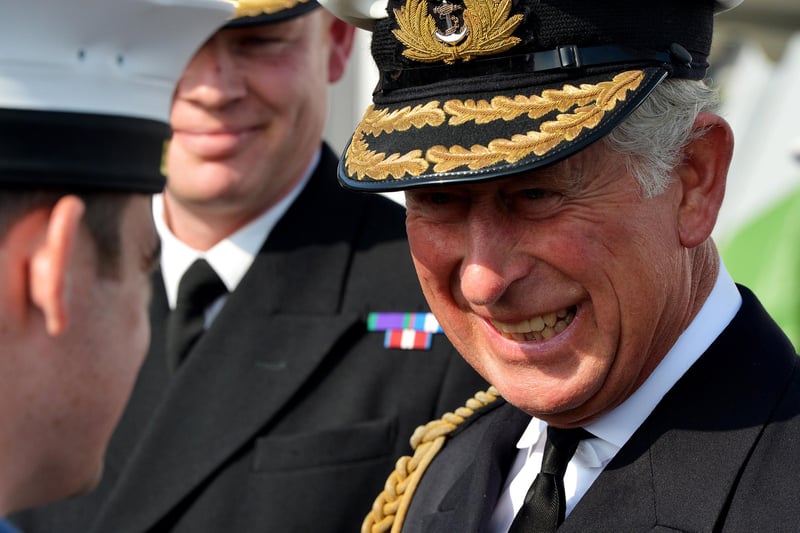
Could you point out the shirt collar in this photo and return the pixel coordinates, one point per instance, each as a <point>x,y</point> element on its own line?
<point>232,257</point>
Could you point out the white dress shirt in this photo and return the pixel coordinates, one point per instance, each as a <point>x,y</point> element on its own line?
<point>613,429</point>
<point>230,258</point>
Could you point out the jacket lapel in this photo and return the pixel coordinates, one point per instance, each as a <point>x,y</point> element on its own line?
<point>282,334</point>
<point>463,508</point>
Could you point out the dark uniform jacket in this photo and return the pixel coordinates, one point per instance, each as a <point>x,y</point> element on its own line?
<point>721,451</point>
<point>288,414</point>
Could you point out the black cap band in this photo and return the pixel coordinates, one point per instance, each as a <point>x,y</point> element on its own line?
<point>559,60</point>
<point>86,152</point>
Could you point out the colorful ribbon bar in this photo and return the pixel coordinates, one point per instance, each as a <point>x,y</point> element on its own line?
<point>406,331</point>
<point>413,321</point>
<point>407,339</point>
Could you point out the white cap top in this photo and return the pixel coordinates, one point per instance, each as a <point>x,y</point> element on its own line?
<point>724,5</point>
<point>111,57</point>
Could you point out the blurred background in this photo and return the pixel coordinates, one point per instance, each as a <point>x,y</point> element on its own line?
<point>756,64</point>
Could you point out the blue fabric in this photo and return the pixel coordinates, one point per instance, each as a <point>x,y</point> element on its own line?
<point>5,527</point>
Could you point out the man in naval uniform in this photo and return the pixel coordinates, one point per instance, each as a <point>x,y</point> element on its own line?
<point>563,168</point>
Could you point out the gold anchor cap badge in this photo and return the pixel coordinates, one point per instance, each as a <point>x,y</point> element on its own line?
<point>454,30</point>
<point>485,28</point>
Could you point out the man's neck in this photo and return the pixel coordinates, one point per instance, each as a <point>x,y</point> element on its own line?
<point>203,226</point>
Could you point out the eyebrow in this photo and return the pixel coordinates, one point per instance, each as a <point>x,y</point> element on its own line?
<point>568,174</point>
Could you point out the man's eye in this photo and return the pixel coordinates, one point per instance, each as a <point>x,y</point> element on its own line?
<point>255,41</point>
<point>438,206</point>
<point>535,194</point>
<point>258,45</point>
<point>535,203</point>
<point>440,198</point>
<point>429,198</point>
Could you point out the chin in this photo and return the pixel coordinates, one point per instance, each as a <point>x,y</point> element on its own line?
<point>546,398</point>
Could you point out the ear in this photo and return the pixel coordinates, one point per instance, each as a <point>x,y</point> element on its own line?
<point>703,174</point>
<point>51,263</point>
<point>342,36</point>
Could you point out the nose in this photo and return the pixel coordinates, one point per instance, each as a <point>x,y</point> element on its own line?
<point>492,261</point>
<point>212,78</point>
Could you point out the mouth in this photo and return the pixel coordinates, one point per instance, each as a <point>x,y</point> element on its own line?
<point>214,143</point>
<point>214,131</point>
<point>538,328</point>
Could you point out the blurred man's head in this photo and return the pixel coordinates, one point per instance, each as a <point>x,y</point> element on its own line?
<point>85,90</point>
<point>249,113</point>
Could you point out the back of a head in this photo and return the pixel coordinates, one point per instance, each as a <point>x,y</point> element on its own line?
<point>85,93</point>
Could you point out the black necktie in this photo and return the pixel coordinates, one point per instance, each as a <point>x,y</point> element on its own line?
<point>545,503</point>
<point>198,288</point>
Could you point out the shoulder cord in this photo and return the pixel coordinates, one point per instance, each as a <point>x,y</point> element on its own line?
<point>390,507</point>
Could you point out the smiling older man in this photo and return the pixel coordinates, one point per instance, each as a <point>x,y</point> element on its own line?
<point>563,168</point>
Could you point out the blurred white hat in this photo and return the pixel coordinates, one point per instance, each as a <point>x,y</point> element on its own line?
<point>119,57</point>
<point>86,87</point>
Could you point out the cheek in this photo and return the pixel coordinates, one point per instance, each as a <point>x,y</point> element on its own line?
<point>435,254</point>
<point>139,326</point>
<point>127,330</point>
<point>433,245</point>
<point>284,89</point>
<point>599,253</point>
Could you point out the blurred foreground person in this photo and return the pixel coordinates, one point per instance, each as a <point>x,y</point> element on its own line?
<point>84,105</point>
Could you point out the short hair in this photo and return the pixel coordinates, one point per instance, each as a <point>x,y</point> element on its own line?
<point>102,218</point>
<point>654,135</point>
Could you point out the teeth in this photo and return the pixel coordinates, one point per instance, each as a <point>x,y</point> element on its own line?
<point>537,328</point>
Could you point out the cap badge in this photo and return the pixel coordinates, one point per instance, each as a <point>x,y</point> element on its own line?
<point>485,28</point>
<point>454,29</point>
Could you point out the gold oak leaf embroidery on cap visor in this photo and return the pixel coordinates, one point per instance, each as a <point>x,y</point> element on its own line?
<point>587,105</point>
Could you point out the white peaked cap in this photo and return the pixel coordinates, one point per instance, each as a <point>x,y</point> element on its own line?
<point>359,13</point>
<point>106,57</point>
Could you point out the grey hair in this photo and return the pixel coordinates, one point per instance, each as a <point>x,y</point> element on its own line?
<point>653,137</point>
